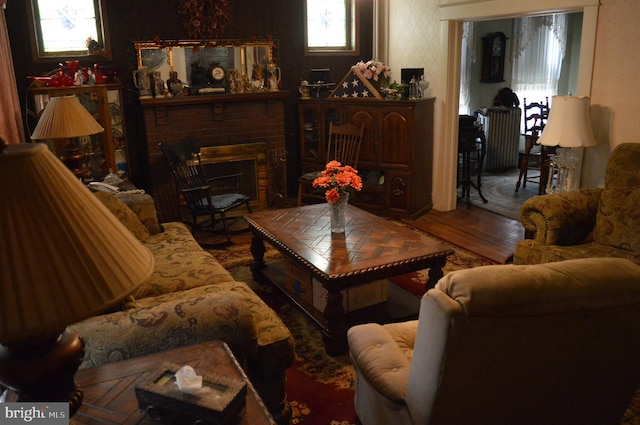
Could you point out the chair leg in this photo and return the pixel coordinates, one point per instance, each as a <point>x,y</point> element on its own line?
<point>299,194</point>
<point>523,171</point>
<point>223,218</point>
<point>194,222</point>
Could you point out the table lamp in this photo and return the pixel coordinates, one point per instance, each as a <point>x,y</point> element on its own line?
<point>64,118</point>
<point>63,258</point>
<point>568,126</point>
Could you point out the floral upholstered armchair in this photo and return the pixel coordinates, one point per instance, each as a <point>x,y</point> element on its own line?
<point>600,222</point>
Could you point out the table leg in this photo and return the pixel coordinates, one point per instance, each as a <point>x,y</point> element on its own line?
<point>483,153</point>
<point>257,251</point>
<point>335,334</point>
<point>435,272</point>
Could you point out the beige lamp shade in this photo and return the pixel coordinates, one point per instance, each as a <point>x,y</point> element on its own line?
<point>65,117</point>
<point>63,256</point>
<point>569,123</point>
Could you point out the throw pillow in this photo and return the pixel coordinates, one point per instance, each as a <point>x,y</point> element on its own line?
<point>618,218</point>
<point>124,214</point>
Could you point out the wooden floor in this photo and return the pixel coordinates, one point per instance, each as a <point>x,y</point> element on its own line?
<point>479,231</point>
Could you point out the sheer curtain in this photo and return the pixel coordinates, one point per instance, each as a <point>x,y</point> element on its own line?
<point>539,45</point>
<point>10,116</point>
<point>468,57</point>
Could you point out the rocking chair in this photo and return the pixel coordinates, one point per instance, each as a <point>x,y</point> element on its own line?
<point>203,196</point>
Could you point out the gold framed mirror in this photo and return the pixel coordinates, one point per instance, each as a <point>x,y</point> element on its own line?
<point>193,60</point>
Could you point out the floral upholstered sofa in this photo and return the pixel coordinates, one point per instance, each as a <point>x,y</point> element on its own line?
<point>598,222</point>
<point>190,298</point>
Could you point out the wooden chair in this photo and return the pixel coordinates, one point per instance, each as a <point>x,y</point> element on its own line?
<point>343,145</point>
<point>535,119</point>
<point>203,196</point>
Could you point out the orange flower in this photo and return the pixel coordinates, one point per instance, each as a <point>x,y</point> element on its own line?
<point>332,195</point>
<point>338,180</point>
<point>322,181</point>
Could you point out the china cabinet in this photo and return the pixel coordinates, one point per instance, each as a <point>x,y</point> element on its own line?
<point>396,155</point>
<point>103,151</point>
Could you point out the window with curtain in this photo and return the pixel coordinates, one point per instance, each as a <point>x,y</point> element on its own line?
<point>11,130</point>
<point>539,46</point>
<point>468,57</point>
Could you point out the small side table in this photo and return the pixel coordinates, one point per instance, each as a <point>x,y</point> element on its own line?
<point>109,390</point>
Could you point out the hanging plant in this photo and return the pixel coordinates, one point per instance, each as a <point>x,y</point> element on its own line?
<point>205,18</point>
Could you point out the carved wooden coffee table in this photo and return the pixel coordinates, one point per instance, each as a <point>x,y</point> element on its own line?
<point>372,248</point>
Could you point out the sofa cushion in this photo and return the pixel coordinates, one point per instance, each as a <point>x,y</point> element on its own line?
<point>143,206</point>
<point>124,214</point>
<point>180,263</point>
<point>168,323</point>
<point>618,218</point>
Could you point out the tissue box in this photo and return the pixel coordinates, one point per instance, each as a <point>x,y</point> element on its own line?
<point>218,403</point>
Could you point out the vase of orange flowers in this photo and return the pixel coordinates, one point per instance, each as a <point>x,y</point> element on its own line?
<point>338,181</point>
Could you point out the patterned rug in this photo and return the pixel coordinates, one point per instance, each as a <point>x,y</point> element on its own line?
<point>499,189</point>
<point>320,388</point>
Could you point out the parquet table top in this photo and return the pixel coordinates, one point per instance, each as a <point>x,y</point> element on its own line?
<point>372,248</point>
<point>109,390</point>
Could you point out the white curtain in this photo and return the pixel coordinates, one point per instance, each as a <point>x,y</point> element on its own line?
<point>10,115</point>
<point>468,57</point>
<point>539,45</point>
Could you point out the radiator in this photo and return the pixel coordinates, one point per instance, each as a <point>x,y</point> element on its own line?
<point>502,130</point>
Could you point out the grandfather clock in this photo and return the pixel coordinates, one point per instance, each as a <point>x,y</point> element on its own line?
<point>493,54</point>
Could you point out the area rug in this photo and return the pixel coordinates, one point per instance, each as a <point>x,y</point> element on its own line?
<point>320,388</point>
<point>499,190</point>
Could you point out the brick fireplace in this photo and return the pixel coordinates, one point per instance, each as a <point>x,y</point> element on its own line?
<point>237,132</point>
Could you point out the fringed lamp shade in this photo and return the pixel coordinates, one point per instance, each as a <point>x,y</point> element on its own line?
<point>569,123</point>
<point>65,117</point>
<point>63,256</point>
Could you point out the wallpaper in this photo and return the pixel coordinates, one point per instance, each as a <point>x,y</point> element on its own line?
<point>418,44</point>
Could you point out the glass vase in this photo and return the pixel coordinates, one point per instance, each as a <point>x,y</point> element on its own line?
<point>336,212</point>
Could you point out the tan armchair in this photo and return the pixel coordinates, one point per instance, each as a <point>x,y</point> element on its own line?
<point>545,344</point>
<point>601,222</point>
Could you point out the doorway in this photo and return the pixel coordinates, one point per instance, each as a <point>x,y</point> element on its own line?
<point>452,15</point>
<point>556,75</point>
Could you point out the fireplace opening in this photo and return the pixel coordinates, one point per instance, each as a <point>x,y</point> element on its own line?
<point>248,159</point>
<point>247,181</point>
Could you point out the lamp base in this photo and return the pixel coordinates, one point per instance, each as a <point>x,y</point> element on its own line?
<point>562,171</point>
<point>44,371</point>
<point>72,157</point>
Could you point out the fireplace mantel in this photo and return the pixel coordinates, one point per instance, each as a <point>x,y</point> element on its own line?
<point>214,120</point>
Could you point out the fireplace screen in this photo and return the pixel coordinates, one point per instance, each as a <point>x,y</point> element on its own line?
<point>248,159</point>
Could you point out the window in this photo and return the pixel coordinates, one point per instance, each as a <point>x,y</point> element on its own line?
<point>330,27</point>
<point>67,28</point>
<point>539,48</point>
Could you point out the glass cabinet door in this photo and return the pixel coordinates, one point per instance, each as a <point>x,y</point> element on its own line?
<point>103,151</point>
<point>310,134</point>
